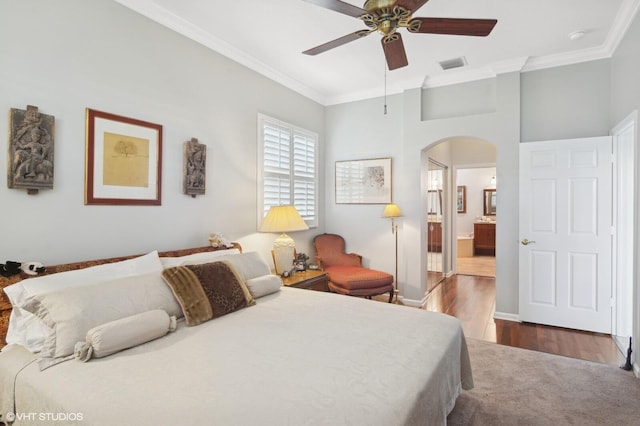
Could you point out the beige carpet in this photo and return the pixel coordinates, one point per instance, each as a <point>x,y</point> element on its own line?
<point>525,388</point>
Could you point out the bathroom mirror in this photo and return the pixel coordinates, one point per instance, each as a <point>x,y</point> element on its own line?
<point>436,238</point>
<point>434,202</point>
<point>489,202</point>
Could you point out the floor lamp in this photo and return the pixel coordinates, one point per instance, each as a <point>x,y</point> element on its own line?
<point>392,211</point>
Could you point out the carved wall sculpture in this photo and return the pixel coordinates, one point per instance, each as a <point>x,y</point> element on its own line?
<point>194,167</point>
<point>30,156</point>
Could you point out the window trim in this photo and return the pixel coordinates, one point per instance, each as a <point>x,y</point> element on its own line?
<point>293,129</point>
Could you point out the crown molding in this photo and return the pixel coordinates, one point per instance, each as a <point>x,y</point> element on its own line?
<point>624,18</point>
<point>626,14</point>
<point>151,10</point>
<point>621,23</point>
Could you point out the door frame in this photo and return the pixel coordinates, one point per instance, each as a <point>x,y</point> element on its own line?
<point>618,129</point>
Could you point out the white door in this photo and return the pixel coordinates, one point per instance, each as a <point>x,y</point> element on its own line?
<point>565,233</point>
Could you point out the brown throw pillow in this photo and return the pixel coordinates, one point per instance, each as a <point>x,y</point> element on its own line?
<point>207,291</point>
<point>189,293</point>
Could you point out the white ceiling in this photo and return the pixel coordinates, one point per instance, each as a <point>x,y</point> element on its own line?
<point>268,36</point>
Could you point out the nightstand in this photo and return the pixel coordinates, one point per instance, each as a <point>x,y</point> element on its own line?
<point>309,280</point>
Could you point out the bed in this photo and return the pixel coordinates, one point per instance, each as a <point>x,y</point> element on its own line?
<point>286,357</point>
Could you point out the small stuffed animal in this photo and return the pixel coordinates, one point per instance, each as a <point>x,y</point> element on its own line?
<point>32,268</point>
<point>9,268</point>
<point>218,240</point>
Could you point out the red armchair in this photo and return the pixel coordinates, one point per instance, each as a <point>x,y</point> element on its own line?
<point>345,271</point>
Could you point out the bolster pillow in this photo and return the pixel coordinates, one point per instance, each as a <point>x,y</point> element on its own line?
<point>124,333</point>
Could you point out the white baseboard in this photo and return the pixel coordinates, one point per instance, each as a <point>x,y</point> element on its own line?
<point>413,303</point>
<point>506,316</point>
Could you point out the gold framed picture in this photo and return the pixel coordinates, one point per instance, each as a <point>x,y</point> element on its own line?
<point>123,160</point>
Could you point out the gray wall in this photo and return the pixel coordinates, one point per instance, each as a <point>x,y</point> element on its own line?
<point>360,130</point>
<point>68,55</point>
<point>474,97</point>
<point>566,102</point>
<point>625,72</point>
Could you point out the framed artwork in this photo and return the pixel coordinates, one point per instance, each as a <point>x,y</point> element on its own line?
<point>123,159</point>
<point>363,181</point>
<point>31,147</point>
<point>461,199</point>
<point>194,168</point>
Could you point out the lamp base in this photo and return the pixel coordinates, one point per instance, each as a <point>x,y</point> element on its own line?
<point>283,258</point>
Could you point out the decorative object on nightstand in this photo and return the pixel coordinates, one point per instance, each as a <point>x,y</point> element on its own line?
<point>392,211</point>
<point>283,219</point>
<point>300,262</point>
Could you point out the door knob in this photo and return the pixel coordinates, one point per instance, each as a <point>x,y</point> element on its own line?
<point>526,242</point>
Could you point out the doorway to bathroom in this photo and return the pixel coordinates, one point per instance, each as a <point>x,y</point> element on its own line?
<point>477,209</point>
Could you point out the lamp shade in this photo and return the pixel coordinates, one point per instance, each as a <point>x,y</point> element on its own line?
<point>283,219</point>
<point>391,210</point>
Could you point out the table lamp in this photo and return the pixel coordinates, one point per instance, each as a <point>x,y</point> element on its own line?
<point>283,219</point>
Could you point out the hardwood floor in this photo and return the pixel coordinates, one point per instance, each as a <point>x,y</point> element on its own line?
<point>484,266</point>
<point>472,300</point>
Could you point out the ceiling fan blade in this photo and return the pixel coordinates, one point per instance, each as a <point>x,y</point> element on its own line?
<point>411,5</point>
<point>452,26</point>
<point>337,42</point>
<point>394,51</point>
<point>339,6</point>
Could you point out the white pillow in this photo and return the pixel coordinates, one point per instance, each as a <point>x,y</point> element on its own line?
<point>266,284</point>
<point>26,330</point>
<point>114,336</point>
<point>196,258</point>
<point>249,265</point>
<point>70,313</point>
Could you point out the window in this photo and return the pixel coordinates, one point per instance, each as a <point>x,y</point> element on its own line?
<point>287,168</point>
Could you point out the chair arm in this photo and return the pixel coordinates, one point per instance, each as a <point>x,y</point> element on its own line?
<point>355,257</point>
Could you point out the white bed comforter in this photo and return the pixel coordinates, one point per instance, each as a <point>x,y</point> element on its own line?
<point>298,357</point>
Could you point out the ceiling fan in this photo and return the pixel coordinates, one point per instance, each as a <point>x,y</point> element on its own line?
<point>386,16</point>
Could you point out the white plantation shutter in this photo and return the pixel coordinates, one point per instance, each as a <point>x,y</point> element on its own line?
<point>287,168</point>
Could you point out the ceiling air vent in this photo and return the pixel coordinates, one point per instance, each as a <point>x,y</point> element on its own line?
<point>453,63</point>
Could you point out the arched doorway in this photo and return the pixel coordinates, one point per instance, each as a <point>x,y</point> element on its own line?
<point>439,231</point>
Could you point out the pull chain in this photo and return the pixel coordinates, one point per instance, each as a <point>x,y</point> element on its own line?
<point>385,88</point>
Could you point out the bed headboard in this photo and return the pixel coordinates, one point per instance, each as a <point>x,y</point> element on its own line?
<point>5,305</point>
